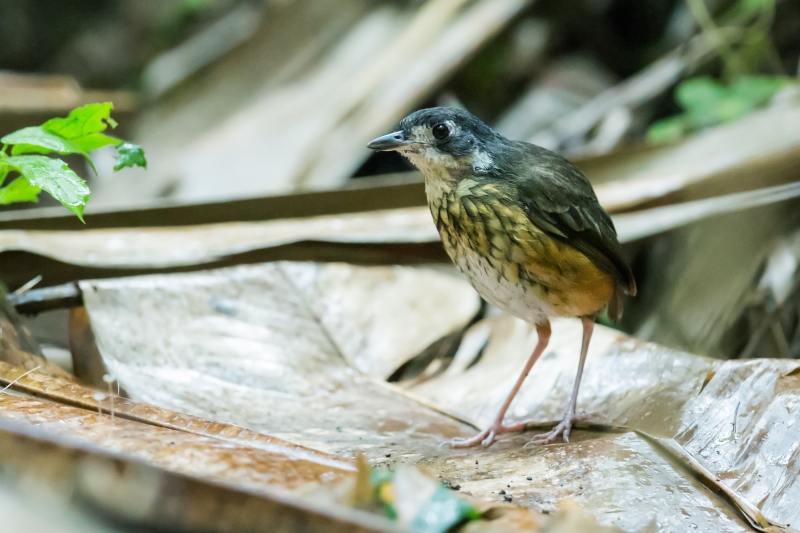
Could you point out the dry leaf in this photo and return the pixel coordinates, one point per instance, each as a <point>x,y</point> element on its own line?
<point>78,472</point>
<point>642,224</point>
<point>767,151</point>
<point>172,247</point>
<point>258,347</point>
<point>19,348</point>
<point>660,382</point>
<point>627,384</point>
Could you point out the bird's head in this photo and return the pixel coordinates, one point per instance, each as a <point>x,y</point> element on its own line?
<point>442,140</point>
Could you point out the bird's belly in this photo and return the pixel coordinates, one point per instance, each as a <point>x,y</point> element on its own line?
<point>516,298</point>
<point>513,264</point>
<point>558,283</point>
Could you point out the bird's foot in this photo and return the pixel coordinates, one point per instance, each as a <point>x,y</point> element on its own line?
<point>484,438</point>
<point>562,430</point>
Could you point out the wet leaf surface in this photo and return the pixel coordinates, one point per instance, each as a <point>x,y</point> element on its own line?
<point>51,466</point>
<point>744,429</point>
<point>55,177</point>
<point>266,367</point>
<point>244,346</point>
<point>620,479</point>
<point>627,383</point>
<point>223,460</point>
<point>299,352</point>
<point>69,393</point>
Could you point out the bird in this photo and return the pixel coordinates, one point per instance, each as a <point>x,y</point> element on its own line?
<point>524,225</point>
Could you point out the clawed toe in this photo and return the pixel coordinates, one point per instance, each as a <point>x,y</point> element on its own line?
<point>562,430</point>
<point>485,438</point>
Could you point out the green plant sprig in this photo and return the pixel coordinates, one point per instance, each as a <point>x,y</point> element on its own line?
<point>79,133</point>
<point>706,102</point>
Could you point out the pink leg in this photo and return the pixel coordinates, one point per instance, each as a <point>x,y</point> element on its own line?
<point>565,426</point>
<point>488,435</point>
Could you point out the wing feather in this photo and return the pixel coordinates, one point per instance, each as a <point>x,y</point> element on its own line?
<point>559,199</point>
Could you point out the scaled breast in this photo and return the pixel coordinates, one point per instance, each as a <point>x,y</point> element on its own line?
<point>512,263</point>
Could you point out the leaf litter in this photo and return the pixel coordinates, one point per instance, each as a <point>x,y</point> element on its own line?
<point>279,359</point>
<point>246,346</point>
<point>243,346</point>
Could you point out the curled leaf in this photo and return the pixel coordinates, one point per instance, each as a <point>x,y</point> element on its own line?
<point>128,155</point>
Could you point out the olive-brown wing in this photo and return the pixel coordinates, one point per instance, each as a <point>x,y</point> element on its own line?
<point>559,200</point>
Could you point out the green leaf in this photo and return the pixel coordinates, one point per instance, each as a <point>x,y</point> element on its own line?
<point>95,141</point>
<point>708,103</point>
<point>700,97</point>
<point>748,7</point>
<point>82,122</point>
<point>38,140</point>
<point>758,90</point>
<point>5,168</point>
<point>130,154</point>
<point>55,177</point>
<point>667,130</point>
<point>19,190</point>
<point>84,126</point>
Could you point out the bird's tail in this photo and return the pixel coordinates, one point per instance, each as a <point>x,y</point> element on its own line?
<point>615,307</point>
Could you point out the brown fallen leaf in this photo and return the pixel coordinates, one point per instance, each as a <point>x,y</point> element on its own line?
<point>67,392</point>
<point>263,347</point>
<point>19,348</point>
<point>506,518</point>
<point>570,519</point>
<point>172,247</point>
<point>127,491</point>
<point>243,463</point>
<point>198,367</point>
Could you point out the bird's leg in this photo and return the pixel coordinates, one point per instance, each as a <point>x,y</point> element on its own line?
<point>565,426</point>
<point>488,435</point>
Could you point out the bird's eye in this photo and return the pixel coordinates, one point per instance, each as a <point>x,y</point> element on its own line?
<point>441,131</point>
